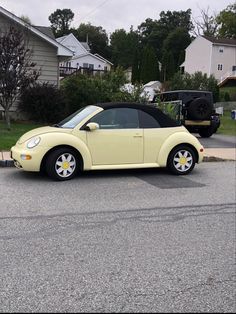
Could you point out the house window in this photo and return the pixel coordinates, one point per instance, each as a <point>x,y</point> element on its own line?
<point>221,49</point>
<point>85,65</point>
<point>220,67</point>
<point>91,66</point>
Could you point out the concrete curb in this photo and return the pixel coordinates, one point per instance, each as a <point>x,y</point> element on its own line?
<point>214,158</point>
<point>6,163</point>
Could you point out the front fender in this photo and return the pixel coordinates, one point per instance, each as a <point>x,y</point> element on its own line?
<point>61,139</point>
<point>174,140</point>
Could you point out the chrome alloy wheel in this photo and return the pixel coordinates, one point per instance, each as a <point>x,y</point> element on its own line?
<point>183,160</point>
<point>65,165</point>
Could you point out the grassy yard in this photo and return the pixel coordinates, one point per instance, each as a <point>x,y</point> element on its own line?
<point>9,138</point>
<point>228,125</point>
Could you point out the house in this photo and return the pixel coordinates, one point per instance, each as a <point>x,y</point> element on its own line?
<point>82,58</point>
<point>211,56</point>
<point>47,53</point>
<point>71,42</point>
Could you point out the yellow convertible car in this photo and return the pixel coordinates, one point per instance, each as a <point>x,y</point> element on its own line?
<point>108,136</point>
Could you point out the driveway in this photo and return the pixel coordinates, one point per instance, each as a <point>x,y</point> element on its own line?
<point>218,141</point>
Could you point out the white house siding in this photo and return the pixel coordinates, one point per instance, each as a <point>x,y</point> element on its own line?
<point>98,64</point>
<point>210,57</point>
<point>222,62</point>
<point>197,56</point>
<point>73,44</point>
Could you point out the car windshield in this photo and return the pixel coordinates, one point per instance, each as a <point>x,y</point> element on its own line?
<point>74,119</point>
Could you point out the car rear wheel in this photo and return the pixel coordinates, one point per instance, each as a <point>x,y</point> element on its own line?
<point>181,160</point>
<point>62,164</point>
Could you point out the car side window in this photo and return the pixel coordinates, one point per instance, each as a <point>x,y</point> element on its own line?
<point>147,121</point>
<point>117,118</point>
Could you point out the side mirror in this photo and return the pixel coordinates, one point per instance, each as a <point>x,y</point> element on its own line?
<point>92,126</point>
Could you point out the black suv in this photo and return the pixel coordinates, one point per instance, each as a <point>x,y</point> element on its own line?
<point>196,110</point>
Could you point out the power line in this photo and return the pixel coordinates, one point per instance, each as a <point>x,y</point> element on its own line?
<point>92,11</point>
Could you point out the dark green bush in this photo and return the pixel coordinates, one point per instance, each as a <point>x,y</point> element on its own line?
<point>82,90</point>
<point>198,81</point>
<point>227,96</point>
<point>43,103</point>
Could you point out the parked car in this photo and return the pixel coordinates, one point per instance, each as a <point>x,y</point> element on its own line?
<point>196,110</point>
<point>109,136</point>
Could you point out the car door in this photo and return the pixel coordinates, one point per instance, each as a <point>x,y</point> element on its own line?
<point>119,140</point>
<point>154,136</point>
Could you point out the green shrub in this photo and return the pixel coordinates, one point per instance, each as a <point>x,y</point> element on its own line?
<point>198,81</point>
<point>43,103</point>
<point>227,96</point>
<point>82,90</point>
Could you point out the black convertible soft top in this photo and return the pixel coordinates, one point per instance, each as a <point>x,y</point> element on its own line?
<point>164,120</point>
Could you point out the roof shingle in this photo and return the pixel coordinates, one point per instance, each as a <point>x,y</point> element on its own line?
<point>223,41</point>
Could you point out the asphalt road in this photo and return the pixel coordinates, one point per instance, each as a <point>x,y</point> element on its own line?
<point>218,141</point>
<point>118,241</point>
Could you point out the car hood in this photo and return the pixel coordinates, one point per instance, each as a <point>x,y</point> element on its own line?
<point>40,131</point>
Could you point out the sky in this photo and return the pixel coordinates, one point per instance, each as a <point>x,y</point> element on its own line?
<point>110,14</point>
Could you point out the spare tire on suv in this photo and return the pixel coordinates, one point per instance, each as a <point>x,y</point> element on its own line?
<point>196,110</point>
<point>199,109</point>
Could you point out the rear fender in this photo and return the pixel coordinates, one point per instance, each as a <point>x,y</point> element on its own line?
<point>180,138</point>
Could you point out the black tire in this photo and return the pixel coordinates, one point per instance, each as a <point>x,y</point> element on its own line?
<point>206,132</point>
<point>199,109</point>
<point>62,164</point>
<point>181,160</point>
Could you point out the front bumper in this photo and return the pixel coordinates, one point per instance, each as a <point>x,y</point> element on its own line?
<point>18,153</point>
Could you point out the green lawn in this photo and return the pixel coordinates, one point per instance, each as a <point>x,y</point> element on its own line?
<point>9,138</point>
<point>227,125</point>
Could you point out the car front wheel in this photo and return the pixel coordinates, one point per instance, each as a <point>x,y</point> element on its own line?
<point>181,160</point>
<point>62,164</point>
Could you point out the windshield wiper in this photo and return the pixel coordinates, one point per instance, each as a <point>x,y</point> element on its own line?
<point>56,125</point>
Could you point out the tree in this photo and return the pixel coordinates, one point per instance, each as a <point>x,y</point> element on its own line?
<point>136,67</point>
<point>60,21</point>
<point>123,47</point>
<point>145,29</point>
<point>168,65</point>
<point>206,24</point>
<point>227,22</point>
<point>149,66</point>
<point>169,21</point>
<point>174,46</point>
<point>156,32</point>
<point>16,70</point>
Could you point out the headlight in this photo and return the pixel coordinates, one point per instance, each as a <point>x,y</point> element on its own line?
<point>33,142</point>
